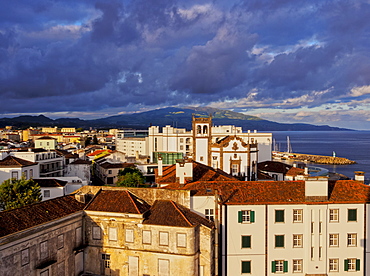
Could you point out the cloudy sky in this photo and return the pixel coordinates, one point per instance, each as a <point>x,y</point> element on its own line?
<point>283,60</point>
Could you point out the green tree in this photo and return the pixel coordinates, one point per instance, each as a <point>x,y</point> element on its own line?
<point>130,177</point>
<point>18,193</point>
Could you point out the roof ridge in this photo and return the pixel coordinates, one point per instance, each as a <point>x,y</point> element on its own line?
<point>130,196</point>
<point>178,209</point>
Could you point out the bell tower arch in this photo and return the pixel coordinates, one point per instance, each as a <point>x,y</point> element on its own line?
<point>202,136</point>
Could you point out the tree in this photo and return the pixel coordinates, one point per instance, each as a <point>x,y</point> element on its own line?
<point>18,193</point>
<point>130,177</point>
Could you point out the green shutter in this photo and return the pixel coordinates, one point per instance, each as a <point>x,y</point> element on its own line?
<point>358,265</point>
<point>279,215</point>
<point>246,266</point>
<point>252,216</point>
<point>345,265</point>
<point>240,216</point>
<point>285,266</point>
<point>279,241</point>
<point>352,214</point>
<point>273,267</point>
<point>246,241</point>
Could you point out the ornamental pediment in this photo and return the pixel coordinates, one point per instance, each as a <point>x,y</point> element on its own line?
<point>234,142</point>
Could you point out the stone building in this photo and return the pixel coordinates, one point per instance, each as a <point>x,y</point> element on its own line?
<point>107,231</point>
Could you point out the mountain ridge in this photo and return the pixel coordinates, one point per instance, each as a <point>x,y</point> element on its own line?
<point>175,116</point>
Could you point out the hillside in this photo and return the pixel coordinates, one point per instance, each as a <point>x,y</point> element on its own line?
<point>178,117</point>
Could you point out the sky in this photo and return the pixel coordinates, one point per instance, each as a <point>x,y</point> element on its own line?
<point>289,61</point>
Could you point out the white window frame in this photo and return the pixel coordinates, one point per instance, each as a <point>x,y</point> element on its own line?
<point>351,264</point>
<point>333,215</point>
<point>297,240</point>
<point>209,214</point>
<point>333,265</point>
<point>352,240</point>
<point>181,240</point>
<point>298,215</point>
<point>333,240</point>
<point>246,216</point>
<point>298,265</point>
<point>279,266</point>
<point>112,233</point>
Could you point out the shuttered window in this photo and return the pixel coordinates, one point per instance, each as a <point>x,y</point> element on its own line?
<point>246,241</point>
<point>279,216</point>
<point>246,266</point>
<point>246,216</point>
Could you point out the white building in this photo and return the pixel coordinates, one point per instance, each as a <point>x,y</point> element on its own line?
<point>13,167</point>
<point>132,146</point>
<point>306,227</point>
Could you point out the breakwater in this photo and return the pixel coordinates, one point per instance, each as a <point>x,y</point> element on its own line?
<point>317,159</point>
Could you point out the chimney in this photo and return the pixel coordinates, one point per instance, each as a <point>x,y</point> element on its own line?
<point>306,172</point>
<point>160,166</point>
<point>184,170</point>
<point>360,176</point>
<point>316,188</point>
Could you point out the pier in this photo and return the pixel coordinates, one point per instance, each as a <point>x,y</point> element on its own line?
<point>317,159</point>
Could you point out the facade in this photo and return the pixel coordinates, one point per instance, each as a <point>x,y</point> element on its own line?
<point>133,146</point>
<point>304,227</point>
<point>80,168</point>
<point>13,167</point>
<point>46,142</point>
<point>50,162</point>
<point>118,232</point>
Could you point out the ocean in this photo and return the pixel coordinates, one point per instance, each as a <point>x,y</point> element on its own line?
<point>354,145</point>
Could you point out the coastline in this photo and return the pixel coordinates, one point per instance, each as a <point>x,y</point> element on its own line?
<point>316,159</point>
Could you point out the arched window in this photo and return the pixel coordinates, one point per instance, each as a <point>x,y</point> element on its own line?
<point>205,129</point>
<point>199,129</point>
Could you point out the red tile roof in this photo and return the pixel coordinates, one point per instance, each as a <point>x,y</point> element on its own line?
<point>293,171</point>
<point>200,173</point>
<point>169,213</point>
<point>19,219</point>
<point>118,202</point>
<point>276,192</point>
<point>98,152</point>
<point>50,182</point>
<point>12,161</point>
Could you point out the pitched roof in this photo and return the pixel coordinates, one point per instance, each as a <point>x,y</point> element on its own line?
<point>108,165</point>
<point>12,161</point>
<point>277,192</point>
<point>118,202</point>
<point>35,214</point>
<point>46,138</point>
<point>97,152</point>
<point>293,171</point>
<point>274,166</point>
<point>169,213</point>
<point>66,153</point>
<point>43,183</point>
<point>201,172</point>
<point>80,162</point>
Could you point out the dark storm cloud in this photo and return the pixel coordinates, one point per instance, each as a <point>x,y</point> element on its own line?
<point>91,55</point>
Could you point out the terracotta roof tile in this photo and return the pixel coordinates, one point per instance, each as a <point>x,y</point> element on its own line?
<point>200,173</point>
<point>293,171</point>
<point>118,202</point>
<point>19,219</point>
<point>169,213</point>
<point>12,161</point>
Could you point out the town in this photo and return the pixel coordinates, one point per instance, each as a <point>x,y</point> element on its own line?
<point>171,201</point>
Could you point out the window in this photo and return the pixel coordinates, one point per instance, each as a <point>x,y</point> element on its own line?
<point>297,265</point>
<point>106,260</point>
<point>112,233</point>
<point>333,215</point>
<point>15,175</point>
<point>181,240</point>
<point>60,241</point>
<point>31,173</point>
<point>352,265</point>
<point>44,250</point>
<point>25,256</point>
<point>46,193</point>
<point>147,237</point>
<point>352,214</point>
<point>181,147</point>
<point>163,267</point>
<point>25,175</point>
<point>351,239</point>
<point>246,216</point>
<point>297,240</point>
<point>333,265</point>
<point>129,235</point>
<point>96,233</point>
<point>109,171</point>
<point>246,266</point>
<point>279,215</point>
<point>44,273</point>
<point>201,158</point>
<point>297,215</point>
<point>333,239</point>
<point>279,266</point>
<point>181,140</point>
<point>78,234</point>
<point>246,241</point>
<point>163,238</point>
<point>279,240</point>
<point>209,214</point>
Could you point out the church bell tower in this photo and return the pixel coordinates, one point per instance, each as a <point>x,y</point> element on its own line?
<point>202,128</point>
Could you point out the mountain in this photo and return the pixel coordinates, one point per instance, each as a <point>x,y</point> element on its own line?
<point>177,117</point>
